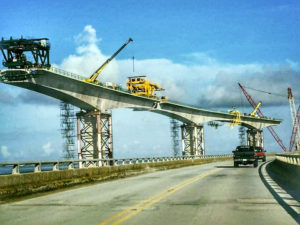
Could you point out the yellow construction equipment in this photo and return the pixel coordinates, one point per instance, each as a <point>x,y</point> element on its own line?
<point>255,109</point>
<point>140,86</point>
<point>237,119</point>
<point>93,78</point>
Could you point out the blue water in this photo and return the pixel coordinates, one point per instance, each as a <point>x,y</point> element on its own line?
<point>4,170</point>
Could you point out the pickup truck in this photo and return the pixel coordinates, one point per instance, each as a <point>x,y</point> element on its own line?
<point>260,153</point>
<point>248,155</point>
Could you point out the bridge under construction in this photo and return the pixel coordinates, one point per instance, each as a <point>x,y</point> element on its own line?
<point>95,99</point>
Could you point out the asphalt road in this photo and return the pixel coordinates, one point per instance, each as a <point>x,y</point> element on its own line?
<point>214,193</point>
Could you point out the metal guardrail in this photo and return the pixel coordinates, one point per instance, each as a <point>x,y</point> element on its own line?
<point>293,159</point>
<point>81,78</point>
<point>65,73</point>
<point>42,166</point>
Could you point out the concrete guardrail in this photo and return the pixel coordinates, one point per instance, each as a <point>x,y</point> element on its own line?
<point>292,159</point>
<point>43,166</point>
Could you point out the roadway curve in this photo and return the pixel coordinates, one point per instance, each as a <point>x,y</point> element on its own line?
<point>214,193</point>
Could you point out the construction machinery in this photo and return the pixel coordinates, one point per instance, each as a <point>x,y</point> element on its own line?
<point>13,51</point>
<point>294,118</point>
<point>139,85</point>
<point>260,114</point>
<point>94,76</point>
<point>236,120</point>
<point>295,131</point>
<point>255,109</point>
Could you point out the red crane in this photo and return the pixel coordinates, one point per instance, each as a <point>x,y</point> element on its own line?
<point>272,131</point>
<point>295,129</point>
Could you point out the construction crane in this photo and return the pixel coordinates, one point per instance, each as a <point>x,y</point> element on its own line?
<point>93,77</point>
<point>260,114</point>
<point>295,130</point>
<point>237,120</point>
<point>139,85</point>
<point>255,109</point>
<point>293,115</point>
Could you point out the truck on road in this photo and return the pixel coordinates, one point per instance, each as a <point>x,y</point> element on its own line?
<point>248,155</point>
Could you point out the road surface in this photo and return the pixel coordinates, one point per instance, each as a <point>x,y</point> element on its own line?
<point>214,193</point>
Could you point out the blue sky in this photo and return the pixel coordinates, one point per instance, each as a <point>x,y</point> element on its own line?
<point>198,50</point>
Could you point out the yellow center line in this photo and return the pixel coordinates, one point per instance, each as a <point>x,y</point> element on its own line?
<point>128,213</point>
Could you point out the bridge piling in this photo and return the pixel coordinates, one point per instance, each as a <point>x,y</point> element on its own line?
<point>255,138</point>
<point>94,134</point>
<point>192,139</point>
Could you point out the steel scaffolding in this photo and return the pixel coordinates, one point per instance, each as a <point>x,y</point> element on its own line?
<point>192,139</point>
<point>67,126</point>
<point>242,135</point>
<point>175,136</point>
<point>94,135</point>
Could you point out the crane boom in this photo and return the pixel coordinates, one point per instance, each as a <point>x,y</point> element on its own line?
<point>295,129</point>
<point>93,77</point>
<point>255,109</point>
<point>272,131</point>
<point>293,115</point>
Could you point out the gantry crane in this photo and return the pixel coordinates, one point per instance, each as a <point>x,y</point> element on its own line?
<point>13,51</point>
<point>260,114</point>
<point>93,77</point>
<point>139,85</point>
<point>294,118</point>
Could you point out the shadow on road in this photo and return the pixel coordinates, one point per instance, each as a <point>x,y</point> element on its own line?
<point>287,207</point>
<point>224,167</point>
<point>228,167</point>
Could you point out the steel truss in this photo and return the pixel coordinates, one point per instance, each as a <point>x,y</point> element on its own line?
<point>255,138</point>
<point>94,135</point>
<point>192,139</point>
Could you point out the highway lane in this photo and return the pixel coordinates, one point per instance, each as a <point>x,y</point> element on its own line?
<point>213,193</point>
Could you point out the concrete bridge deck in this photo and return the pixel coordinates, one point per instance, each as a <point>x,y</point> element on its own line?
<point>72,89</point>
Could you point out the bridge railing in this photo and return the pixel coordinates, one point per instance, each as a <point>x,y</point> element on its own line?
<point>293,159</point>
<point>65,73</point>
<point>42,166</point>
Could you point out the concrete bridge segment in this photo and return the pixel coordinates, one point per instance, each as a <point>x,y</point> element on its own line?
<point>72,89</point>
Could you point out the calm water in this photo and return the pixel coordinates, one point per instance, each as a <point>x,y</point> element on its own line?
<point>29,169</point>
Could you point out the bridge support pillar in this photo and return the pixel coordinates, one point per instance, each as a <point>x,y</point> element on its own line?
<point>192,139</point>
<point>94,135</point>
<point>255,138</point>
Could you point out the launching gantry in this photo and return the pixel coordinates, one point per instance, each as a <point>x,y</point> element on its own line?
<point>13,51</point>
<point>139,85</point>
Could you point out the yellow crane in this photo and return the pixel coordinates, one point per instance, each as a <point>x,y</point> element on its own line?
<point>255,109</point>
<point>237,120</point>
<point>93,78</point>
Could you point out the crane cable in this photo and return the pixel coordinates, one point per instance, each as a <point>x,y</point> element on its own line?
<point>270,93</point>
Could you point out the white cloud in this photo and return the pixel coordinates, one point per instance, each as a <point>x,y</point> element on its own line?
<point>4,151</point>
<point>47,148</point>
<point>201,80</point>
<point>89,57</point>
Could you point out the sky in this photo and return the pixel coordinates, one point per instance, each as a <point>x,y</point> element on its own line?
<point>197,50</point>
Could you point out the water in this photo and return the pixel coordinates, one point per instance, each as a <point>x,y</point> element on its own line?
<point>4,170</point>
